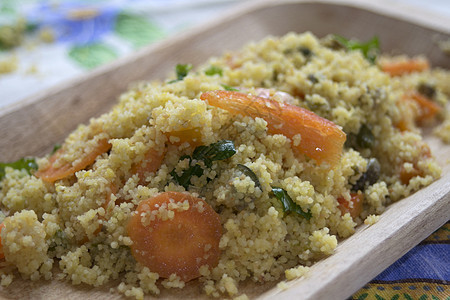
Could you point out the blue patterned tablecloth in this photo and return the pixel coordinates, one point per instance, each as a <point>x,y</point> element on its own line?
<point>64,39</point>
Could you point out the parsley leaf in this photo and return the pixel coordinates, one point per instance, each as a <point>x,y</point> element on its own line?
<point>216,151</point>
<point>248,172</point>
<point>370,49</point>
<point>181,70</point>
<point>24,163</point>
<point>288,204</point>
<point>185,179</point>
<point>229,88</point>
<point>213,70</point>
<point>56,148</point>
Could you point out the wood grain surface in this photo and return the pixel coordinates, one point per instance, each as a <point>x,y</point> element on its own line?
<point>34,125</point>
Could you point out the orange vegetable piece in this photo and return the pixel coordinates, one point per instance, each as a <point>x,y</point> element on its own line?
<point>192,136</point>
<point>407,175</point>
<point>428,109</point>
<point>2,254</point>
<point>179,245</point>
<point>321,139</point>
<point>52,173</point>
<point>151,163</point>
<point>354,206</point>
<point>404,67</point>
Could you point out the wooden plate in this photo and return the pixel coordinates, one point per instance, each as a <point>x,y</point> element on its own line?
<point>34,125</point>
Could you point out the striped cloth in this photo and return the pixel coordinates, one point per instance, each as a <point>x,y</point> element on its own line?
<point>423,273</point>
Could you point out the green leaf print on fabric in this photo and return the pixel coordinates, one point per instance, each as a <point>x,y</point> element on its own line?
<point>7,6</point>
<point>137,29</point>
<point>92,55</point>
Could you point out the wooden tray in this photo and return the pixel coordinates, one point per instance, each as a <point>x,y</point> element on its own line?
<point>34,125</point>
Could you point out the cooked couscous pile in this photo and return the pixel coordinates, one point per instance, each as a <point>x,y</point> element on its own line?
<point>250,167</point>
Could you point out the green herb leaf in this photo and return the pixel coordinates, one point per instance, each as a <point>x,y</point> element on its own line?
<point>56,148</point>
<point>24,163</point>
<point>182,70</point>
<point>213,70</point>
<point>288,204</point>
<point>370,50</point>
<point>217,151</point>
<point>185,179</point>
<point>248,172</point>
<point>229,88</point>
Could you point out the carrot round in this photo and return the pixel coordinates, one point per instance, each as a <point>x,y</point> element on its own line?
<point>180,244</point>
<point>321,139</point>
<point>354,206</point>
<point>52,173</point>
<point>399,68</point>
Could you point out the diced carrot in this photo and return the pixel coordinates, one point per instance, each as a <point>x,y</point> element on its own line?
<point>399,68</point>
<point>52,173</point>
<point>151,163</point>
<point>408,112</point>
<point>354,206</point>
<point>428,109</point>
<point>321,139</point>
<point>2,254</point>
<point>180,244</point>
<point>407,175</point>
<point>192,136</point>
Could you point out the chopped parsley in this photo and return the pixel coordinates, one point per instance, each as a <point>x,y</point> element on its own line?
<point>56,148</point>
<point>214,152</point>
<point>181,70</point>
<point>27,164</point>
<point>229,88</point>
<point>288,204</point>
<point>248,172</point>
<point>213,70</point>
<point>370,49</point>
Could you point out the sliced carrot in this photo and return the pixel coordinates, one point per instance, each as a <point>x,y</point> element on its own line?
<point>399,68</point>
<point>178,245</point>
<point>151,163</point>
<point>354,206</point>
<point>52,173</point>
<point>428,109</point>
<point>321,139</point>
<point>2,254</point>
